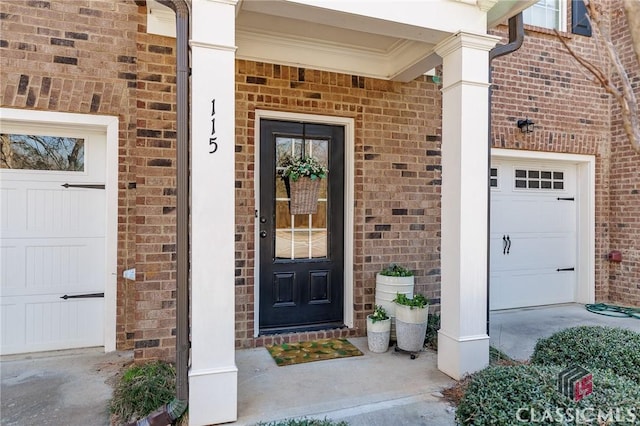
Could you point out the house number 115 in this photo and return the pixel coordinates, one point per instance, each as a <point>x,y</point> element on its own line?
<point>213,144</point>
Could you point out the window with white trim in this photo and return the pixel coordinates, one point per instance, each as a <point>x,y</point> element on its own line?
<point>551,14</point>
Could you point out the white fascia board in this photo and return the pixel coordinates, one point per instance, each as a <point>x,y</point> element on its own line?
<point>505,9</point>
<point>398,18</point>
<point>272,48</point>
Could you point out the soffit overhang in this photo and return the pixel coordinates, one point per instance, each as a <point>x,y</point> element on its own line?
<point>391,40</point>
<point>386,39</point>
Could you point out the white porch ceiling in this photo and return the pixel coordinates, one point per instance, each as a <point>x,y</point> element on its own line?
<point>392,40</point>
<point>386,39</point>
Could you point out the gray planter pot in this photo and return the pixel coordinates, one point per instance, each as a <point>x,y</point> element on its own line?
<point>411,327</point>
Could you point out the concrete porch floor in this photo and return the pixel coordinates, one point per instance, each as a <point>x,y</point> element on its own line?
<point>373,390</point>
<point>390,388</point>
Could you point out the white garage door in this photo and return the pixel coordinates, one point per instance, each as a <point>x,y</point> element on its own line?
<point>52,246</point>
<point>533,234</point>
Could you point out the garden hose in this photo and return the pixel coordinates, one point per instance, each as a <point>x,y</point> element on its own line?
<point>613,310</point>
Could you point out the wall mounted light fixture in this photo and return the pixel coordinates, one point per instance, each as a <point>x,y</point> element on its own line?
<point>526,125</point>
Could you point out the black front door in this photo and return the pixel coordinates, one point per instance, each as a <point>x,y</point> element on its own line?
<point>301,256</point>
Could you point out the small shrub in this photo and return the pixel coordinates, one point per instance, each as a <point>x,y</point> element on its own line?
<point>142,389</point>
<point>433,325</point>
<point>592,347</point>
<point>519,394</point>
<point>418,300</point>
<point>379,314</point>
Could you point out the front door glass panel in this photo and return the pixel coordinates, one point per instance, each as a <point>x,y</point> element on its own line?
<point>300,236</point>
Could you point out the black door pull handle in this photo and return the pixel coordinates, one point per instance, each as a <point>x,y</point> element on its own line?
<point>508,244</point>
<point>504,244</point>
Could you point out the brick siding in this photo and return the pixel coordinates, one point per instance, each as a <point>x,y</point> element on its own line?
<point>80,57</point>
<point>96,58</point>
<point>397,180</point>
<point>624,190</point>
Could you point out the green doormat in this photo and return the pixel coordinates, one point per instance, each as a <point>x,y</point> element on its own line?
<point>314,350</point>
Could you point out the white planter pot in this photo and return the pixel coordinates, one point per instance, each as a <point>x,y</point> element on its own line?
<point>412,316</point>
<point>411,327</point>
<point>387,288</point>
<point>378,334</point>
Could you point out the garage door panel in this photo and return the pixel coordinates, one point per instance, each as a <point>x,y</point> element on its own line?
<point>53,244</point>
<point>12,327</point>
<point>76,322</point>
<point>530,288</point>
<point>531,214</point>
<point>66,211</point>
<point>64,267</point>
<point>52,266</point>
<point>10,217</point>
<point>541,232</point>
<point>546,250</point>
<point>12,273</point>
<point>40,323</point>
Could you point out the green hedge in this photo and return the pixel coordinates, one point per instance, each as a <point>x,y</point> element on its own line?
<point>592,347</point>
<point>528,394</point>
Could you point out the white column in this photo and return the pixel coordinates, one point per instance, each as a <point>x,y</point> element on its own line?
<point>463,343</point>
<point>213,377</point>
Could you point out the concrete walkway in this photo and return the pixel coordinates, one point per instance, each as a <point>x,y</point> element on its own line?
<point>58,388</point>
<point>71,387</point>
<point>516,331</point>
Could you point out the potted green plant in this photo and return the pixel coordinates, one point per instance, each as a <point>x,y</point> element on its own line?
<point>412,315</point>
<point>302,177</point>
<point>378,330</point>
<point>390,281</point>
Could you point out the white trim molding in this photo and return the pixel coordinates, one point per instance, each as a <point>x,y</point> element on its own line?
<point>349,160</point>
<point>586,222</point>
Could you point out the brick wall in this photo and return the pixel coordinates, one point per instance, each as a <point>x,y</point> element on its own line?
<point>96,58</point>
<point>624,219</point>
<point>80,57</point>
<point>541,81</point>
<point>397,181</point>
<point>155,195</point>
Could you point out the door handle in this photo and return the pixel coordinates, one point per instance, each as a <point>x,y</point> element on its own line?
<point>508,244</point>
<point>263,234</point>
<point>504,244</point>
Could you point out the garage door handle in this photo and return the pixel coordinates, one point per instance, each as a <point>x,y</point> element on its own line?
<point>565,269</point>
<point>82,296</point>
<point>504,244</point>
<point>508,244</point>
